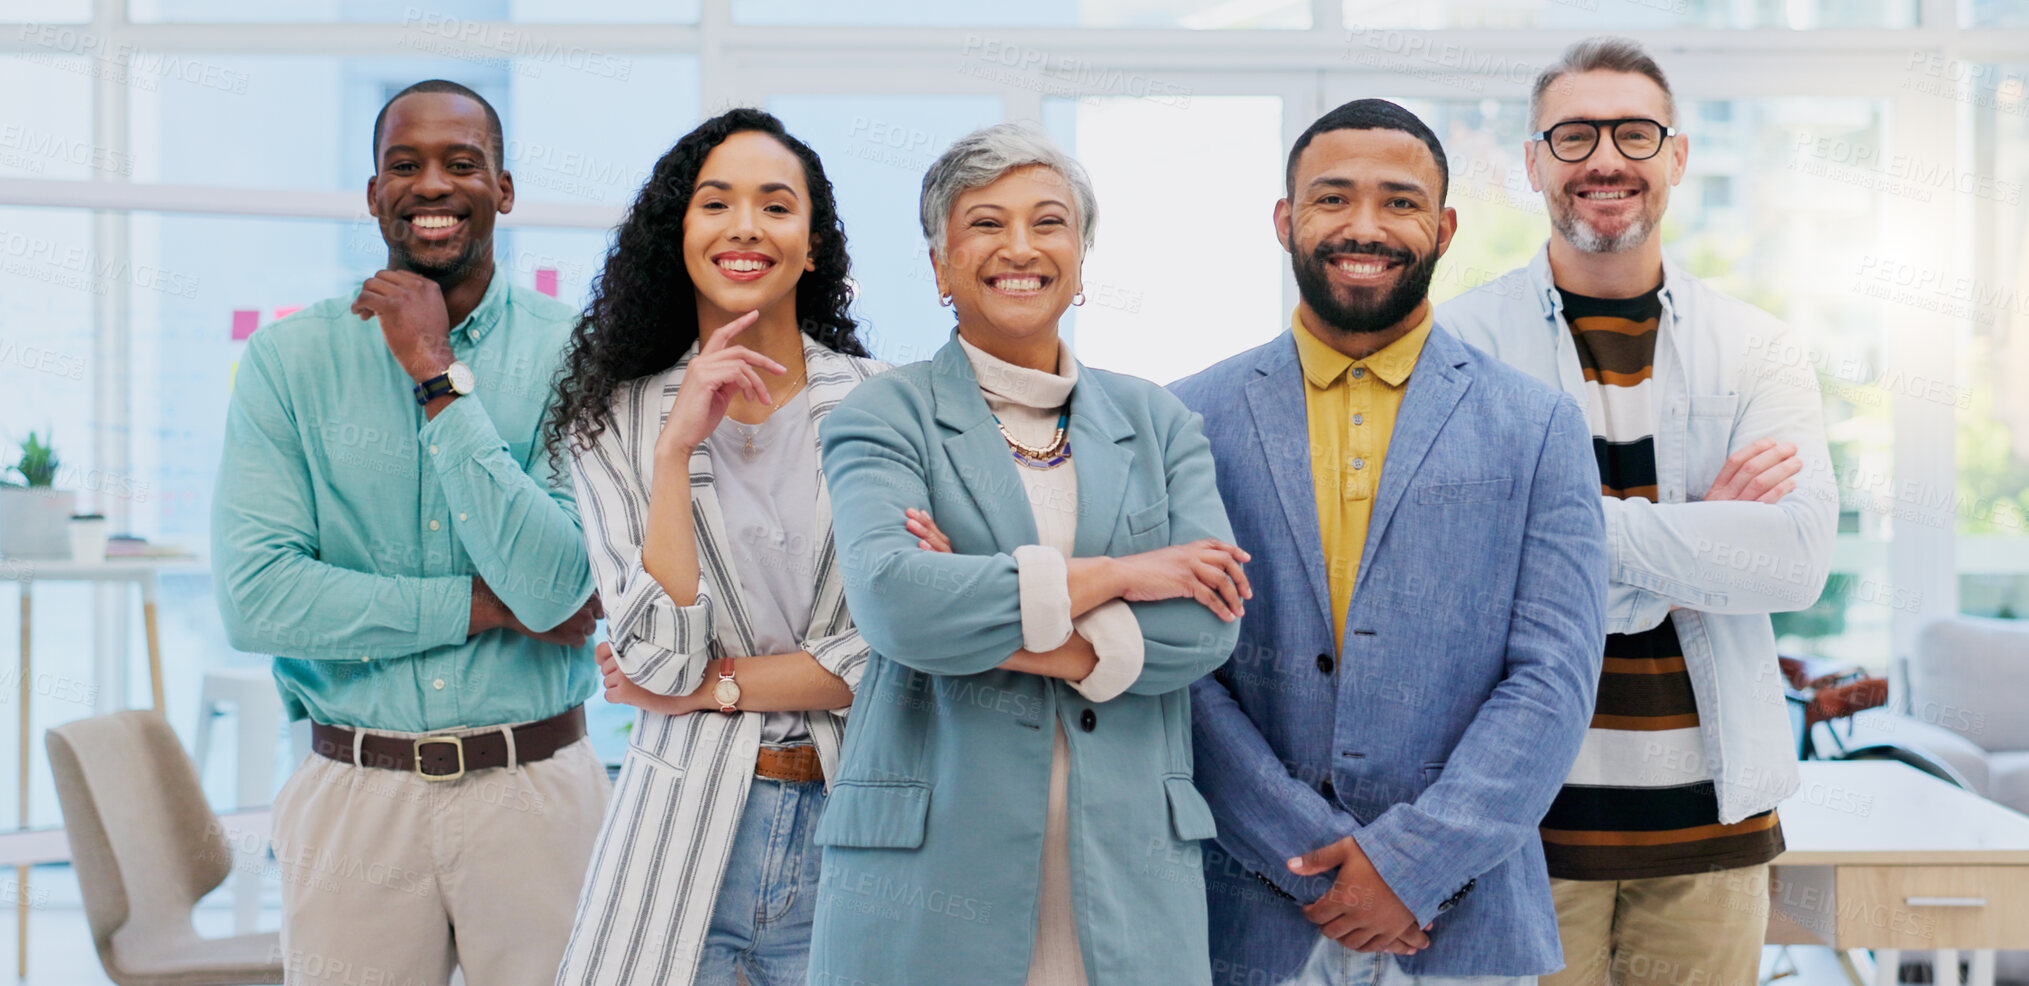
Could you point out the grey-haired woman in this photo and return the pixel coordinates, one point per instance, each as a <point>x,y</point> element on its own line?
<point>1038,557</point>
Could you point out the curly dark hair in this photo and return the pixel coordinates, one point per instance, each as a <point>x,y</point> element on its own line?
<point>643,315</point>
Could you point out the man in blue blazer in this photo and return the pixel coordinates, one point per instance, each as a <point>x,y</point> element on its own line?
<point>1418,663</point>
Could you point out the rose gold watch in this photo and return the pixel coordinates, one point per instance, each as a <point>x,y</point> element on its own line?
<point>727,691</point>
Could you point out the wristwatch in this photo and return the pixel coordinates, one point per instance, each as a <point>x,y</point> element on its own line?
<point>457,379</point>
<point>727,691</point>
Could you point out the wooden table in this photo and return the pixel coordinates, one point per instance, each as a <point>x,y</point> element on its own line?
<point>1885,857</point>
<point>138,571</point>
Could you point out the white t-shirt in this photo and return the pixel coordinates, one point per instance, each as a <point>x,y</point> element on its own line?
<point>766,478</point>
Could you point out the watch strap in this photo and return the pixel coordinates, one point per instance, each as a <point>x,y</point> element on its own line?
<point>433,388</point>
<point>726,674</point>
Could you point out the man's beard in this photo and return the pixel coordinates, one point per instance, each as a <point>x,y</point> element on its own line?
<point>443,272</point>
<point>1367,310</point>
<point>1582,236</point>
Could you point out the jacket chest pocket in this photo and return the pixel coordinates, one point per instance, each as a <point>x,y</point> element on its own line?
<point>1148,526</point>
<point>1469,491</point>
<point>1708,433</point>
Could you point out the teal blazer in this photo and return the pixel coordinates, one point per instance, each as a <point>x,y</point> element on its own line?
<point>933,836</point>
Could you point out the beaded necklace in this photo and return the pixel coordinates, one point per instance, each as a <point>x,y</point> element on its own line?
<point>1049,456</point>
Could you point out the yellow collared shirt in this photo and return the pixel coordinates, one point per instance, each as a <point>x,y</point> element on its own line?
<point>1351,405</point>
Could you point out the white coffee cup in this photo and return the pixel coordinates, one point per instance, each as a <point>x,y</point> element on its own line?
<point>88,538</point>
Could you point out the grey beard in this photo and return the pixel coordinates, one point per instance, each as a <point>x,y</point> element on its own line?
<point>1588,240</point>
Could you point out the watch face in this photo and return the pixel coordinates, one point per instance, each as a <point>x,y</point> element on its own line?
<point>461,378</point>
<point>726,693</point>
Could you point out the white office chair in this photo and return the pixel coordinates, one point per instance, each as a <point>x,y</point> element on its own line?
<point>146,849</point>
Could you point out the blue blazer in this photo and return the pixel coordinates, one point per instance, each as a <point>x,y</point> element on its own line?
<point>933,835</point>
<point>1472,651</point>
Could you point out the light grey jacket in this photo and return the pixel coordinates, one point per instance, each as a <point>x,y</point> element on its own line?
<point>1726,374</point>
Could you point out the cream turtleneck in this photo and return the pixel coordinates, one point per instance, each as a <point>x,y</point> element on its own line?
<point>1028,403</point>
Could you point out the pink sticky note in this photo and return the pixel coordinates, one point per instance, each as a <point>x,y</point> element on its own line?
<point>244,322</point>
<point>546,280</point>
<point>287,310</point>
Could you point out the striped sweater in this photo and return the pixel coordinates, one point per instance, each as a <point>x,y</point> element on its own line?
<point>1640,801</point>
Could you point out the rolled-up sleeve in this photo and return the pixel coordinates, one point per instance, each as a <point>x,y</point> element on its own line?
<point>659,645</point>
<point>1115,635</point>
<point>1045,581</point>
<point>842,654</point>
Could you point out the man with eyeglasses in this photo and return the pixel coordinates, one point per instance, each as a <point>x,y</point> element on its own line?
<point>1720,509</point>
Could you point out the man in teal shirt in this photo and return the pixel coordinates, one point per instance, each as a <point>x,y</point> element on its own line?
<point>387,525</point>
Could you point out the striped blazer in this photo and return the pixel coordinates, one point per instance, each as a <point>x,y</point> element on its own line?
<point>662,851</point>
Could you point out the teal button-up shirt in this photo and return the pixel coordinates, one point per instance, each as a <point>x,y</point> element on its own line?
<point>346,526</point>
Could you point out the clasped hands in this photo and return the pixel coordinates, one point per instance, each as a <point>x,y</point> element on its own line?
<point>1359,911</point>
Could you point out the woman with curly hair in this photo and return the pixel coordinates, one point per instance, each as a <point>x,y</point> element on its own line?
<point>717,340</point>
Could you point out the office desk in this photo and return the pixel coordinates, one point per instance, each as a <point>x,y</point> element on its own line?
<point>1885,857</point>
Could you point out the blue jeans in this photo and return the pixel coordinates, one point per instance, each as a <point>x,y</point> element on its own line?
<point>761,923</point>
<point>1333,964</point>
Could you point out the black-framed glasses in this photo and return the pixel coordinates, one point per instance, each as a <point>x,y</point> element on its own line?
<point>1637,138</point>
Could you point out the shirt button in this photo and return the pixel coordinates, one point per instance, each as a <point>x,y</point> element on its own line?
<point>1325,663</point>
<point>434,525</point>
<point>366,657</point>
<point>1359,463</point>
<point>1359,419</point>
<point>433,450</point>
<point>1089,721</point>
<point>461,518</point>
<point>438,684</point>
<point>1359,373</point>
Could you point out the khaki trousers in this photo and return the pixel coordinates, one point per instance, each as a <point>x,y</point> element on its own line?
<point>1704,929</point>
<point>389,879</point>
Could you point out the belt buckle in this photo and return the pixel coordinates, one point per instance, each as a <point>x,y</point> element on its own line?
<point>456,742</point>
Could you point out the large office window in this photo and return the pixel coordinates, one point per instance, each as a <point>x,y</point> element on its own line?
<point>1186,270</point>
<point>1865,187</point>
<point>1592,15</point>
<point>1993,295</point>
<point>1197,14</point>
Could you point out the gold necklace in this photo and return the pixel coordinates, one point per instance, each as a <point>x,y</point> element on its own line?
<point>1047,457</point>
<point>747,449</point>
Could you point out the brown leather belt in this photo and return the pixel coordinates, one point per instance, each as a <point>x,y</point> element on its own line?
<point>788,763</point>
<point>443,757</point>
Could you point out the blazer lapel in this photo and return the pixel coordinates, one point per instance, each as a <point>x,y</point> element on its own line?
<point>1103,463</point>
<point>734,631</point>
<point>1275,396</point>
<point>830,377</point>
<point>977,451</point>
<point>1435,387</point>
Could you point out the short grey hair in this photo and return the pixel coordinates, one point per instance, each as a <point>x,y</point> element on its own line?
<point>1601,54</point>
<point>981,157</point>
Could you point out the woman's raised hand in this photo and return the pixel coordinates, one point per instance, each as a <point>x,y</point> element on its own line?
<point>720,371</point>
<point>1207,570</point>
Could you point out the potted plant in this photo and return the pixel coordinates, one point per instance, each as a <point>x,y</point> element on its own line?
<point>35,517</point>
